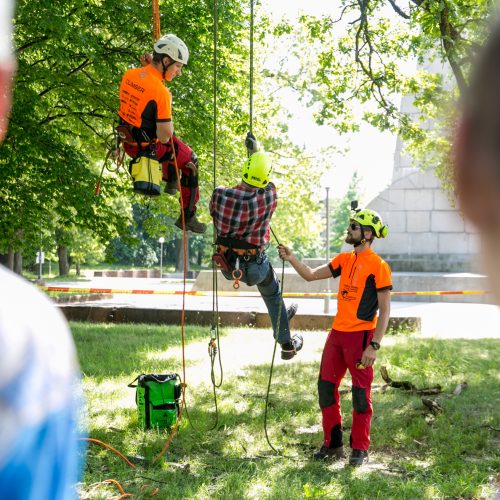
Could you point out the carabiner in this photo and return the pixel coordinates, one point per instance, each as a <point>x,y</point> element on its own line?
<point>237,274</point>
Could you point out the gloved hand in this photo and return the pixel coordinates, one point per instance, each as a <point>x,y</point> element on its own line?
<point>194,158</point>
<point>251,143</point>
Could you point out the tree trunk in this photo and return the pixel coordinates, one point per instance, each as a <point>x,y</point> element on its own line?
<point>179,254</point>
<point>77,267</point>
<point>18,262</point>
<point>62,252</point>
<point>7,259</point>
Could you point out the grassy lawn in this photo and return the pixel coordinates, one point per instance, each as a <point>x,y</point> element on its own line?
<point>451,455</point>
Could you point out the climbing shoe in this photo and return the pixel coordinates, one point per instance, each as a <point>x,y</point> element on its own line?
<point>358,457</point>
<point>290,311</point>
<point>171,187</point>
<point>290,349</point>
<point>325,453</point>
<point>192,224</point>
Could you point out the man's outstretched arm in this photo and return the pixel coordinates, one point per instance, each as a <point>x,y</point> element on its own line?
<point>306,272</point>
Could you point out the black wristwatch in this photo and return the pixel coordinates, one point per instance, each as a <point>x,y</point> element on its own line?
<point>375,345</point>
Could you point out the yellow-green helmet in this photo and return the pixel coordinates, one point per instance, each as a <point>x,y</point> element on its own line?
<point>257,170</point>
<point>370,218</point>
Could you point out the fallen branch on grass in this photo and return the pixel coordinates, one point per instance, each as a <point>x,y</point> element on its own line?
<point>433,405</point>
<point>408,386</point>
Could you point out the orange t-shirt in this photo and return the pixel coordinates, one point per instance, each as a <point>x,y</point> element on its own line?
<point>144,99</point>
<point>362,275</point>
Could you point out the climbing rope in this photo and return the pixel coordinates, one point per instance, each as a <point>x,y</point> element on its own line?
<point>156,20</point>
<point>215,349</point>
<point>156,36</point>
<point>251,63</point>
<point>183,310</point>
<point>283,262</point>
<point>213,345</point>
<point>274,354</point>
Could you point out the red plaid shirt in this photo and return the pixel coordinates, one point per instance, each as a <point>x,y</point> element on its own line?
<point>243,212</point>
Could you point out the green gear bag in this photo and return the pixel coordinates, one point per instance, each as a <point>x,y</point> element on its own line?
<point>158,399</point>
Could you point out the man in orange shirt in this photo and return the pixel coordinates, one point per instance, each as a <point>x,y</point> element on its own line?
<point>353,342</point>
<point>146,111</point>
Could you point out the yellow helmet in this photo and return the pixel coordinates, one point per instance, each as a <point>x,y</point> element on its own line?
<point>257,170</point>
<point>370,218</point>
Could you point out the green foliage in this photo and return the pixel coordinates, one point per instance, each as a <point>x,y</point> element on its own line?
<point>364,55</point>
<point>70,63</point>
<point>341,212</point>
<point>450,456</point>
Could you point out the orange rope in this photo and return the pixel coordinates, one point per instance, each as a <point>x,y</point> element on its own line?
<point>156,19</point>
<point>118,485</point>
<point>112,449</point>
<point>184,239</point>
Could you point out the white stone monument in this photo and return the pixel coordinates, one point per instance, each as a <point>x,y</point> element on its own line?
<point>426,233</point>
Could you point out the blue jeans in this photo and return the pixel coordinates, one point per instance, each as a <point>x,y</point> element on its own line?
<point>258,271</point>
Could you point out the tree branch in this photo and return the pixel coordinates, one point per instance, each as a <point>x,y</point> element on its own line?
<point>398,10</point>
<point>449,36</point>
<point>27,45</point>
<point>78,68</point>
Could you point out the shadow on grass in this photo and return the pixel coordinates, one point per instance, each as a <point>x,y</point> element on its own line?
<point>105,349</point>
<point>451,455</point>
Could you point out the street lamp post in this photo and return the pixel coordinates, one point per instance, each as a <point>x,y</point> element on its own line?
<point>327,209</point>
<point>161,239</point>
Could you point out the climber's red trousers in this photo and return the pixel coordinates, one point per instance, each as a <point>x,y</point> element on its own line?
<point>190,192</point>
<point>342,352</point>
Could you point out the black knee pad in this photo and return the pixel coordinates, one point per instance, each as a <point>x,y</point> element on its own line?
<point>326,393</point>
<point>359,402</point>
<point>336,436</point>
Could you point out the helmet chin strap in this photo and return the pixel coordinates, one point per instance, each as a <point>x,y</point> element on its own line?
<point>165,68</point>
<point>362,240</point>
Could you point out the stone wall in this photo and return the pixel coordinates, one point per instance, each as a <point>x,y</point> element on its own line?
<point>426,232</point>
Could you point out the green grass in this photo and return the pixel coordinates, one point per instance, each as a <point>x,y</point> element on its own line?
<point>455,455</point>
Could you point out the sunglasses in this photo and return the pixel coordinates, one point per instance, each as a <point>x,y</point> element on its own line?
<point>354,227</point>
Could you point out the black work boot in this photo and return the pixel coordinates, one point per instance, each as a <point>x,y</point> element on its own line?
<point>171,187</point>
<point>192,224</point>
<point>325,453</point>
<point>358,457</point>
<point>291,310</point>
<point>290,349</point>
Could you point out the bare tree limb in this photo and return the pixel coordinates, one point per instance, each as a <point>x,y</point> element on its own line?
<point>449,36</point>
<point>398,10</point>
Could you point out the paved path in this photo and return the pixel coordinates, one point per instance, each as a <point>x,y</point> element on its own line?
<point>441,319</point>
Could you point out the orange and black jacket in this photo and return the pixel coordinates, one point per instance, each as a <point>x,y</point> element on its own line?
<point>362,275</point>
<point>144,101</point>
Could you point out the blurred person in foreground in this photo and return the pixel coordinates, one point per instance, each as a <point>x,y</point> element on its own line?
<point>39,456</point>
<point>477,155</point>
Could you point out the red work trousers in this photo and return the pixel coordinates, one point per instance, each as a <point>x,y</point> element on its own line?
<point>342,352</point>
<point>190,193</point>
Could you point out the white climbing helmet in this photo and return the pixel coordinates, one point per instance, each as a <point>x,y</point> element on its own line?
<point>172,46</point>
